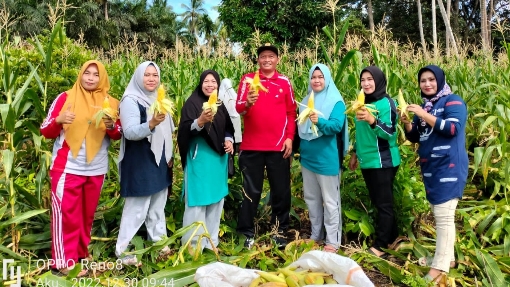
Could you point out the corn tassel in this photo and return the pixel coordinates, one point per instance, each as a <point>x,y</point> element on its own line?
<point>212,103</point>
<point>310,107</point>
<point>255,84</point>
<point>162,105</point>
<point>360,103</point>
<point>106,111</point>
<point>402,105</point>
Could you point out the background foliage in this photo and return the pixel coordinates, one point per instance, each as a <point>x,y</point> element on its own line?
<point>37,66</point>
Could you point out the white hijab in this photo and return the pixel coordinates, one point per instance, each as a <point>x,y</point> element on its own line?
<point>163,132</point>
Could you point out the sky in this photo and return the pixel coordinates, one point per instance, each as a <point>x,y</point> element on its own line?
<point>208,4</point>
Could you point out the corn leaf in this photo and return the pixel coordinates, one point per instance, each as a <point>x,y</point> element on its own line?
<point>491,268</point>
<point>21,217</point>
<point>7,161</point>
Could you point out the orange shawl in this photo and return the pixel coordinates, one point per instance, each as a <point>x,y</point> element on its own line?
<point>84,104</point>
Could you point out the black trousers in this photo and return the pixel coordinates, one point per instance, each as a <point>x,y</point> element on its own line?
<point>252,164</point>
<point>379,182</point>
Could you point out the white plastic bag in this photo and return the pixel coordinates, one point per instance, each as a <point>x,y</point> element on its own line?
<point>345,271</point>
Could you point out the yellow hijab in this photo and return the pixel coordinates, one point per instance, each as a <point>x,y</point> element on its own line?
<point>84,104</point>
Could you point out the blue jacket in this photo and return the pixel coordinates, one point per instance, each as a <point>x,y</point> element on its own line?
<point>442,150</point>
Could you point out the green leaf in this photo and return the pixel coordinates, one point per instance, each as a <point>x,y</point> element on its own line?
<point>326,56</point>
<point>7,161</point>
<point>48,279</point>
<point>328,33</point>
<point>485,222</point>
<point>21,217</point>
<point>10,120</point>
<point>11,254</point>
<point>353,214</point>
<point>486,123</point>
<point>341,37</point>
<point>491,268</point>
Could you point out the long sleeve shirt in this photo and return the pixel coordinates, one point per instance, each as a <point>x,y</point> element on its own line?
<point>443,156</point>
<point>270,121</point>
<point>62,159</point>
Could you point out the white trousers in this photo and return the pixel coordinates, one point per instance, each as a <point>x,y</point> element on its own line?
<point>210,215</point>
<point>322,196</point>
<point>444,215</point>
<point>137,210</point>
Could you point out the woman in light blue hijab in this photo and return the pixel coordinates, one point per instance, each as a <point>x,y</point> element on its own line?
<point>321,154</point>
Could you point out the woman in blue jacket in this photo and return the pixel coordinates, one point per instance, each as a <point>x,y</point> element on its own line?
<point>439,127</point>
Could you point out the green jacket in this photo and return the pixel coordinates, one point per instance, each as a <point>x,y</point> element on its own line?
<point>376,145</point>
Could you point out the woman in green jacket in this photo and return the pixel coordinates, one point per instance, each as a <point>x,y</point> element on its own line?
<point>377,152</point>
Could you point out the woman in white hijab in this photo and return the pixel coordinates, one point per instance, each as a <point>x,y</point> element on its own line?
<point>144,161</point>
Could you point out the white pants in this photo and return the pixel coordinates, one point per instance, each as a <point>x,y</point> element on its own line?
<point>210,215</point>
<point>322,196</point>
<point>137,210</point>
<point>444,215</point>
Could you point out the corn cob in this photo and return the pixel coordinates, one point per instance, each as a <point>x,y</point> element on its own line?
<point>212,103</point>
<point>255,83</point>
<point>162,105</point>
<point>360,103</point>
<point>310,107</point>
<point>107,111</point>
<point>402,105</point>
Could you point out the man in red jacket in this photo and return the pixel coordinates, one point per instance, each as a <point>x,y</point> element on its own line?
<point>269,127</point>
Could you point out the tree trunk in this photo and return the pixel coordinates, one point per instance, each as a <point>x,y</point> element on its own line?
<point>434,31</point>
<point>447,40</point>
<point>489,28</point>
<point>420,26</point>
<point>448,27</point>
<point>106,10</point>
<point>370,16</point>
<point>483,20</point>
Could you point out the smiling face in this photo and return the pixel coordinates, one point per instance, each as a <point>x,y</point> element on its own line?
<point>150,78</point>
<point>90,78</point>
<point>428,83</point>
<point>209,85</point>
<point>267,61</point>
<point>317,81</point>
<point>367,83</point>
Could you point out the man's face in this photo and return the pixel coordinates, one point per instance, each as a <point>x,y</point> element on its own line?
<point>267,61</point>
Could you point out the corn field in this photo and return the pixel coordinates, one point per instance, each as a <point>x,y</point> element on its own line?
<point>34,71</point>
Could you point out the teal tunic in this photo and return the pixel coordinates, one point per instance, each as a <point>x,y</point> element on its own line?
<point>206,174</point>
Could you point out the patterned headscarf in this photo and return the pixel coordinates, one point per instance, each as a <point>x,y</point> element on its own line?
<point>442,88</point>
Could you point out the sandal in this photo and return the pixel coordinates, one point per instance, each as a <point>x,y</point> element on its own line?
<point>330,248</point>
<point>65,271</point>
<point>382,256</point>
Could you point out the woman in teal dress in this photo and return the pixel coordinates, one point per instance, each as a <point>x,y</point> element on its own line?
<point>204,139</point>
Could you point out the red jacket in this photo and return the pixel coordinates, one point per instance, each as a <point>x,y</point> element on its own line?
<point>271,120</point>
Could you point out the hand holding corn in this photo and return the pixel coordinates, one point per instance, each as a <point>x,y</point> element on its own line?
<point>363,114</point>
<point>106,112</point>
<point>205,117</point>
<point>156,120</point>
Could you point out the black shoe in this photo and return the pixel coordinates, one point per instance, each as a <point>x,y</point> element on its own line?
<point>248,243</point>
<point>280,240</point>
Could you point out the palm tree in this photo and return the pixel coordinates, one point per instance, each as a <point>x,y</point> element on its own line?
<point>192,14</point>
<point>104,3</point>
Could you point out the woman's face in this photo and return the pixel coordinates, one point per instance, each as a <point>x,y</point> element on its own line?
<point>367,83</point>
<point>90,78</point>
<point>317,81</point>
<point>428,83</point>
<point>209,85</point>
<point>151,78</point>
